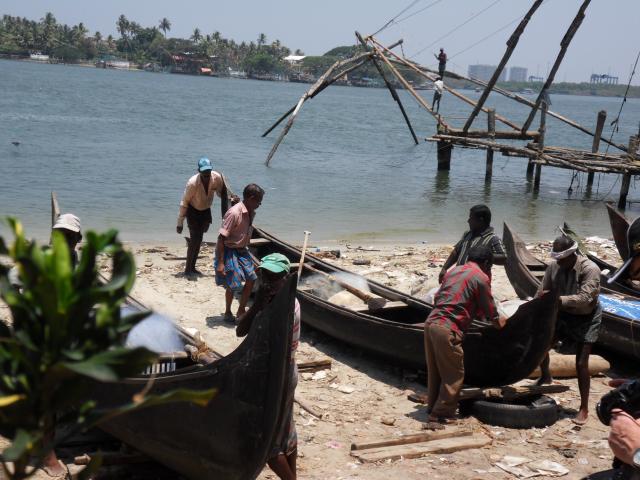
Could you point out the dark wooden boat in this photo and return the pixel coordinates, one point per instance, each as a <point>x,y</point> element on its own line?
<point>232,436</point>
<point>619,227</point>
<point>397,331</point>
<point>617,333</point>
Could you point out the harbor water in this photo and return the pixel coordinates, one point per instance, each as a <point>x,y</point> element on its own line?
<point>118,147</point>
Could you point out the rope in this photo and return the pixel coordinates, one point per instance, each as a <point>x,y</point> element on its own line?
<point>393,19</point>
<point>456,28</point>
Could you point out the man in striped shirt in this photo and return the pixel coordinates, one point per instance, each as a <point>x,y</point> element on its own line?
<point>480,233</point>
<point>465,295</point>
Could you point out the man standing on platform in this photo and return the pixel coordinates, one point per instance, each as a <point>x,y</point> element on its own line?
<point>465,295</point>
<point>442,62</point>
<point>196,208</point>
<point>438,88</point>
<point>233,263</point>
<point>480,233</point>
<point>576,281</point>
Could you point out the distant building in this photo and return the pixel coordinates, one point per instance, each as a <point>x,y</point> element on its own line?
<point>603,79</point>
<point>484,72</point>
<point>294,59</point>
<point>517,74</point>
<point>534,79</point>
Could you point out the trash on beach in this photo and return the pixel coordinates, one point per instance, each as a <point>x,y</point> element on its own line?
<point>346,389</point>
<point>319,375</point>
<point>333,444</point>
<point>525,468</point>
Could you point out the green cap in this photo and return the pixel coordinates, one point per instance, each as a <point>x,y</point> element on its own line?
<point>276,263</point>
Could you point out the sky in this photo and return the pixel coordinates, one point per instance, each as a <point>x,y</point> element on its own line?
<point>608,40</point>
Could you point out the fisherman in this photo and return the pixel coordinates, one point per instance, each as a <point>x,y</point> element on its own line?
<point>196,208</point>
<point>480,233</point>
<point>575,280</point>
<point>442,62</point>
<point>233,263</point>
<point>465,295</point>
<point>438,88</point>
<point>631,268</point>
<point>274,269</point>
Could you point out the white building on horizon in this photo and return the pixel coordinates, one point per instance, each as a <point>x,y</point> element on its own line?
<point>518,74</point>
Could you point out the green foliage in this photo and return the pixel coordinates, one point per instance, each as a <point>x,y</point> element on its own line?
<point>262,63</point>
<point>66,333</point>
<point>318,65</point>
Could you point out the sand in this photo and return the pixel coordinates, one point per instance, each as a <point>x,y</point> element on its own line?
<point>378,389</point>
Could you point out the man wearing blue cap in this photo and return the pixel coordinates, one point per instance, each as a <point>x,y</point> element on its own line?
<point>196,208</point>
<point>274,269</point>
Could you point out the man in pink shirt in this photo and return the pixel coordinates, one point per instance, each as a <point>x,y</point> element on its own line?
<point>196,208</point>
<point>233,264</point>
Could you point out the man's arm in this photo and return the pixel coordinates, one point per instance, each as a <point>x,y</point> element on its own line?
<point>588,290</point>
<point>220,254</point>
<point>453,258</point>
<point>624,436</point>
<point>499,255</point>
<point>184,204</point>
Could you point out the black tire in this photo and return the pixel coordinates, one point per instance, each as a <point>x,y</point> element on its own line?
<point>540,412</point>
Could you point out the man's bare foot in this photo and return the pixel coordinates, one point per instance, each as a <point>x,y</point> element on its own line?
<point>581,417</point>
<point>543,381</point>
<point>52,466</point>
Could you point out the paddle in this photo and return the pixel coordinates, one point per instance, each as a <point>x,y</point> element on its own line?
<point>374,303</point>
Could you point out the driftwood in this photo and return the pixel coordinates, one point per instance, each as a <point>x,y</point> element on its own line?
<point>511,45</point>
<point>314,365</point>
<point>305,406</point>
<point>410,438</point>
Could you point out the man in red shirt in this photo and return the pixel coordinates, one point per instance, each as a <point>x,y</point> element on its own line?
<point>465,295</point>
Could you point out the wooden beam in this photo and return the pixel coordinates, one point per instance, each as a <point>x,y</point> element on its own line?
<point>564,44</point>
<point>410,438</point>
<point>391,89</point>
<point>501,134</point>
<point>602,116</point>
<point>511,45</point>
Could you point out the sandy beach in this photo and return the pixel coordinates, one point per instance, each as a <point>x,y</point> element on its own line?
<point>378,389</point>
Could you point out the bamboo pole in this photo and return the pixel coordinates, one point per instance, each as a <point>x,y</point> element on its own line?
<point>543,127</point>
<point>358,60</point>
<point>392,90</point>
<point>491,127</point>
<point>424,72</point>
<point>511,45</point>
<point>319,83</point>
<point>564,44</point>
<point>421,101</point>
<point>602,117</point>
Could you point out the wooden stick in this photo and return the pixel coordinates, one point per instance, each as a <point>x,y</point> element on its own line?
<point>374,303</point>
<point>391,89</point>
<point>564,44</point>
<point>305,406</point>
<point>511,45</point>
<point>410,438</point>
<point>314,365</point>
<point>304,250</point>
<point>55,208</point>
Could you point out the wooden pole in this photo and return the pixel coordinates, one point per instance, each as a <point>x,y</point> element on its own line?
<point>491,127</point>
<point>425,73</point>
<point>359,60</point>
<point>319,83</point>
<point>511,45</point>
<point>392,90</point>
<point>543,127</point>
<point>564,44</point>
<point>444,155</point>
<point>602,116</point>
<point>626,177</point>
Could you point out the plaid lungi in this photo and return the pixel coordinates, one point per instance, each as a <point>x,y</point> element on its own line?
<point>238,268</point>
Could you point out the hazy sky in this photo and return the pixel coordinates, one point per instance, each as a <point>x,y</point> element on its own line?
<point>607,42</point>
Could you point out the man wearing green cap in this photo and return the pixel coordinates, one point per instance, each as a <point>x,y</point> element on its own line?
<point>196,208</point>
<point>273,270</point>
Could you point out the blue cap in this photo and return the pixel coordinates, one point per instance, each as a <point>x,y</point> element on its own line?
<point>204,164</point>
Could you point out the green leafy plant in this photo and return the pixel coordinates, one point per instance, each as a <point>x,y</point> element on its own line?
<point>67,333</point>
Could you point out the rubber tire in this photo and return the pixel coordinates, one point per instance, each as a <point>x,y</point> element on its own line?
<point>539,412</point>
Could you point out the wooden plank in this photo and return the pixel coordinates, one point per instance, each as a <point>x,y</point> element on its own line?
<point>411,438</point>
<point>305,406</point>
<point>511,392</point>
<point>417,450</point>
<point>314,365</point>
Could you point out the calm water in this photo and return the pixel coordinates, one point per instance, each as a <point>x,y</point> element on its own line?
<point>119,146</point>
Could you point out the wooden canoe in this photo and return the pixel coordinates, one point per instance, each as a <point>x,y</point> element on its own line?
<point>618,333</point>
<point>396,332</point>
<point>232,436</point>
<point>619,227</point>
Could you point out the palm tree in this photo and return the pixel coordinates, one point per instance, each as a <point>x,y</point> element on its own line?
<point>165,25</point>
<point>123,26</point>
<point>197,36</point>
<point>299,52</point>
<point>111,42</point>
<point>97,38</point>
<point>262,39</point>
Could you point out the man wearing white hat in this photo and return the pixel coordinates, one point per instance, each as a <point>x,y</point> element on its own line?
<point>69,225</point>
<point>576,281</point>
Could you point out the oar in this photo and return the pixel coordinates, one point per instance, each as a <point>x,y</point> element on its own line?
<point>304,250</point>
<point>374,303</point>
